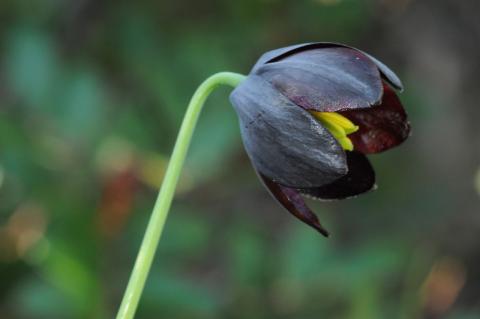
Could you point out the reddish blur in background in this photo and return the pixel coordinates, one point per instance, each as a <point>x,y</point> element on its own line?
<point>91,97</point>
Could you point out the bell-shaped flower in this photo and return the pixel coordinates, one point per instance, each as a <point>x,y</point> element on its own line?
<point>308,115</point>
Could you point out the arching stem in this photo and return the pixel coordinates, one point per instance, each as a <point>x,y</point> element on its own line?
<point>159,214</point>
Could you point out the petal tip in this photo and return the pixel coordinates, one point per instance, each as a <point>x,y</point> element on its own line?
<point>293,202</point>
<point>321,229</point>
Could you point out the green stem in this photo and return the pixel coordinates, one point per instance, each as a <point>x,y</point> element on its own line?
<point>162,205</point>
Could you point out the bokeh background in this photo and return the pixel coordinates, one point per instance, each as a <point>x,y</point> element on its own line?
<point>92,94</point>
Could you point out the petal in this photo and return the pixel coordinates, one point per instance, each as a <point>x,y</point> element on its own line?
<point>359,179</point>
<point>279,54</point>
<point>327,80</point>
<point>292,201</point>
<point>381,127</point>
<point>284,142</point>
<point>387,74</point>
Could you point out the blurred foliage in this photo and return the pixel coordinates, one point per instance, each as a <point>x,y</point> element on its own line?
<point>91,97</point>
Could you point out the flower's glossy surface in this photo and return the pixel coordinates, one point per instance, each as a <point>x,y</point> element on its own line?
<point>308,115</point>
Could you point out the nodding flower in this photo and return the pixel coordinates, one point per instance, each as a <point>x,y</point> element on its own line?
<point>309,114</point>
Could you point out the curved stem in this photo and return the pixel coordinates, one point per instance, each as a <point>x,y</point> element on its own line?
<point>162,205</point>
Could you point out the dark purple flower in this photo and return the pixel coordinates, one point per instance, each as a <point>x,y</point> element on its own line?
<point>308,115</point>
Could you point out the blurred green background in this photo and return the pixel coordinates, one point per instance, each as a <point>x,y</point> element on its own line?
<point>91,97</point>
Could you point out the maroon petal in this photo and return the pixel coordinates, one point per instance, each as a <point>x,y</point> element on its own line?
<point>387,74</point>
<point>278,54</point>
<point>326,80</point>
<point>292,201</point>
<point>382,126</point>
<point>360,179</point>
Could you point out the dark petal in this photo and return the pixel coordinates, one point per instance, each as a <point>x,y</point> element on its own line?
<point>359,179</point>
<point>329,79</point>
<point>292,201</point>
<point>381,127</point>
<point>279,54</point>
<point>283,141</point>
<point>388,74</point>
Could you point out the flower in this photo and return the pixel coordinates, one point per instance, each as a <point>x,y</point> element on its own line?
<point>308,115</point>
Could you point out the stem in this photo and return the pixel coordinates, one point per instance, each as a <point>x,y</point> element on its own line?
<point>162,205</point>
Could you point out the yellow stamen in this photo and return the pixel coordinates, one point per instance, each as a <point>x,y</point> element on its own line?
<point>346,143</point>
<point>339,126</point>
